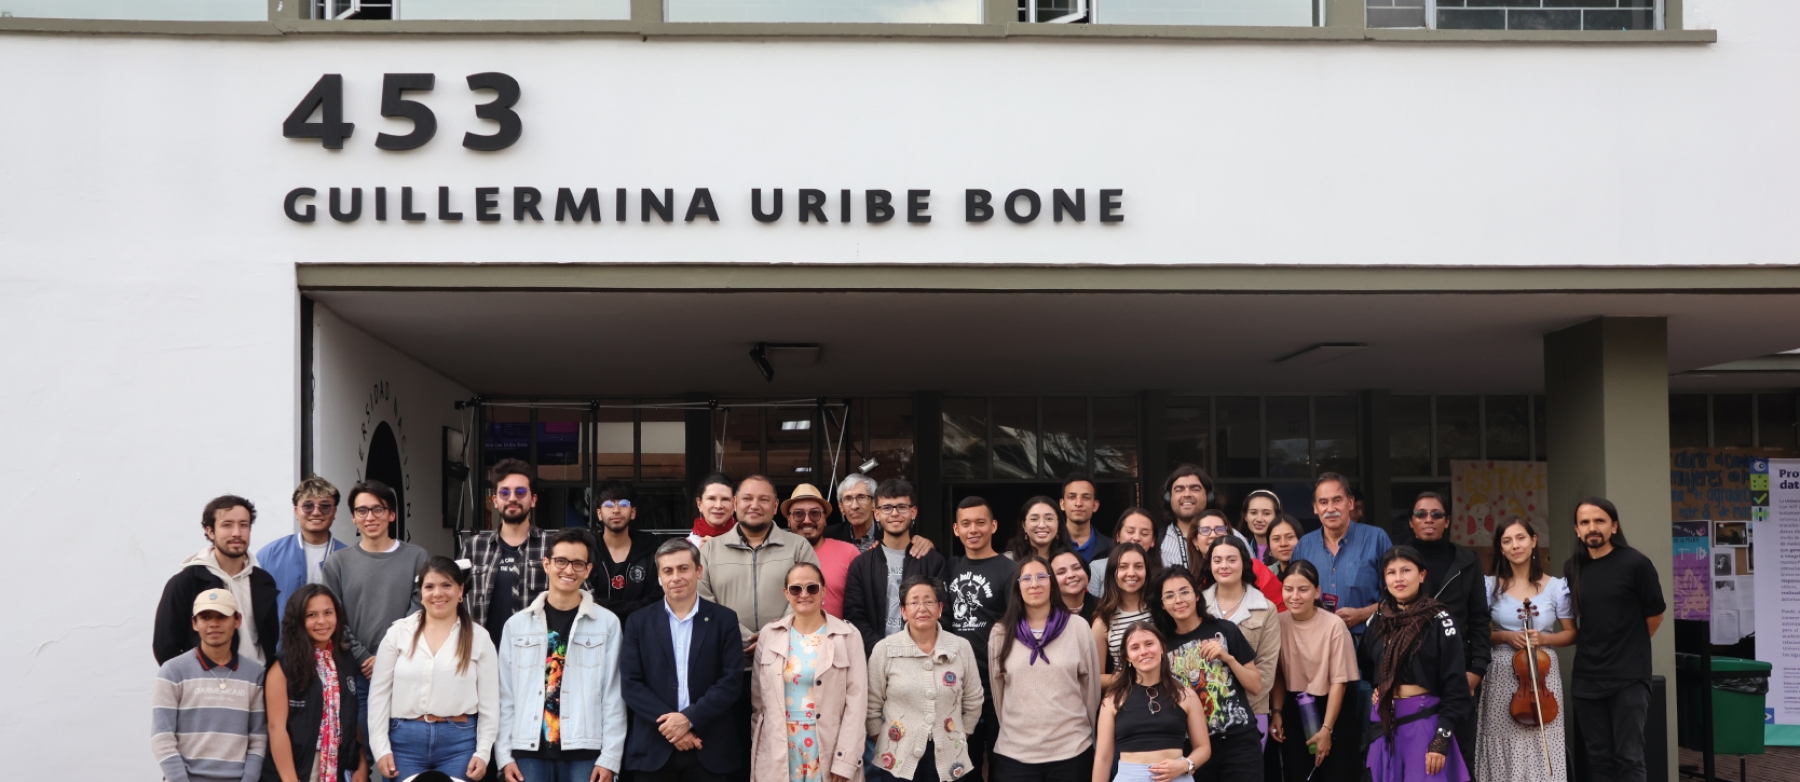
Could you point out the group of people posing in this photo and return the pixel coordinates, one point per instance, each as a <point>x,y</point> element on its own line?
<point>1191,649</point>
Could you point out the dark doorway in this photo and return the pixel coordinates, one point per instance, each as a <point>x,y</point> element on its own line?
<point>384,466</point>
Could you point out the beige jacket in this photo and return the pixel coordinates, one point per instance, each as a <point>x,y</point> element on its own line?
<point>915,698</point>
<point>749,580</point>
<point>1263,630</point>
<point>1047,709</point>
<point>841,692</point>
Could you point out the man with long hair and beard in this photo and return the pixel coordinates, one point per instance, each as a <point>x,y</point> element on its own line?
<point>1618,602</point>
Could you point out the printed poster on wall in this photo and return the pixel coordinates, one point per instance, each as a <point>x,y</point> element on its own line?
<point>1777,528</point>
<point>1483,493</point>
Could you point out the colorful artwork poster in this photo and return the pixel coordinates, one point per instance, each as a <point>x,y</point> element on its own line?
<point>1483,493</point>
<point>1714,484</point>
<point>1693,560</point>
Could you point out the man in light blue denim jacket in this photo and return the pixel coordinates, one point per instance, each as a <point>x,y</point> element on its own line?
<point>562,717</point>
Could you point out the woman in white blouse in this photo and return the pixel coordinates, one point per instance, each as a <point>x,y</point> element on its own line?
<point>436,690</point>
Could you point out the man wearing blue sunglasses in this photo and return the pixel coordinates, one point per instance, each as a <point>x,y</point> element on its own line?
<point>624,575</point>
<point>504,575</point>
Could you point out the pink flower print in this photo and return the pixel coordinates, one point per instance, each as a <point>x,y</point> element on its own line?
<point>949,724</point>
<point>887,760</point>
<point>896,732</point>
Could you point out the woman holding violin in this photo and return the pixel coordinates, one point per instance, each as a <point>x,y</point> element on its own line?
<point>1523,685</point>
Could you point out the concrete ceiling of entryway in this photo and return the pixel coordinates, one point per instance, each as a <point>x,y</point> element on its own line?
<point>669,343</point>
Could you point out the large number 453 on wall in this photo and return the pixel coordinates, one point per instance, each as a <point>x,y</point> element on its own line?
<point>326,98</point>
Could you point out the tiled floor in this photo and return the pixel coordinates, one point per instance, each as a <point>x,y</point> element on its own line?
<point>1779,764</point>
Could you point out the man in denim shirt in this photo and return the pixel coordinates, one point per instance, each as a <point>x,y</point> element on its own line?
<point>562,712</point>
<point>1345,552</point>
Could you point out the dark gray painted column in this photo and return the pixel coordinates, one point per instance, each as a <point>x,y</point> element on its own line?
<point>1376,478</point>
<point>1606,390</point>
<point>1153,447</point>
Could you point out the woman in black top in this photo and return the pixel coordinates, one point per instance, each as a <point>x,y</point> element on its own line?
<point>309,693</point>
<point>1150,717</point>
<point>1212,656</point>
<point>1412,654</point>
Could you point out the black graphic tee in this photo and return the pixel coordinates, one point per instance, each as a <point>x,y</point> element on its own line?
<point>978,589</point>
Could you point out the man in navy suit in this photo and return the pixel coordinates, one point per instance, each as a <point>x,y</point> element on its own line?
<point>683,669</point>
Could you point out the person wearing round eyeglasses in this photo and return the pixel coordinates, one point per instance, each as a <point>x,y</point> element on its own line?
<point>562,709</point>
<point>810,690</point>
<point>1453,577</point>
<point>925,693</point>
<point>1046,674</point>
<point>872,583</point>
<point>503,573</point>
<point>624,574</point>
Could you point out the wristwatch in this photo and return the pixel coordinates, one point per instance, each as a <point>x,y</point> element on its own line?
<point>1191,767</point>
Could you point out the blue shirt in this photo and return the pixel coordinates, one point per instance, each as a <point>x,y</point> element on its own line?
<point>1097,544</point>
<point>681,636</point>
<point>1350,574</point>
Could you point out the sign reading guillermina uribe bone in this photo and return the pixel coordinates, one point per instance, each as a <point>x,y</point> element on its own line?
<point>345,205</point>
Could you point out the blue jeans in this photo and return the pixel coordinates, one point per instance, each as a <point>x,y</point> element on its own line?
<point>555,770</point>
<point>436,746</point>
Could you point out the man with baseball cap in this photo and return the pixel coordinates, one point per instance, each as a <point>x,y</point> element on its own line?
<point>806,511</point>
<point>206,712</point>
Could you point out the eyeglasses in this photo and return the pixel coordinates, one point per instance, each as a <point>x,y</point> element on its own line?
<point>616,504</point>
<point>368,511</point>
<point>309,508</point>
<point>1214,531</point>
<point>516,494</point>
<point>565,564</point>
<point>855,499</point>
<point>1434,515</point>
<point>1178,594</point>
<point>814,514</point>
<point>810,588</point>
<point>893,509</point>
<point>1033,578</point>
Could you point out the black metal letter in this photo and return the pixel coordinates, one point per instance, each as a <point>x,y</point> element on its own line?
<point>355,206</point>
<point>701,204</point>
<point>975,206</point>
<point>566,204</point>
<point>406,210</point>
<point>525,202</point>
<point>1031,197</point>
<point>487,200</point>
<point>812,203</point>
<point>665,208</point>
<point>756,206</point>
<point>444,212</point>
<point>879,206</point>
<point>916,206</point>
<point>294,195</point>
<point>1109,205</point>
<point>1076,208</point>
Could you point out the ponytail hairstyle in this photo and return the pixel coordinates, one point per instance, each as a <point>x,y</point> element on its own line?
<point>296,656</point>
<point>1305,569</point>
<point>465,636</point>
<point>1243,524</point>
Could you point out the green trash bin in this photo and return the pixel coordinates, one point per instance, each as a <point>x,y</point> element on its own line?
<point>1740,691</point>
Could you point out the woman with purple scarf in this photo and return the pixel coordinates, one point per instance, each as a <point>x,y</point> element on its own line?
<point>1045,671</point>
<point>1412,654</point>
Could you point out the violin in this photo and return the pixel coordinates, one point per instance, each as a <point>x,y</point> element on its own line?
<point>1533,705</point>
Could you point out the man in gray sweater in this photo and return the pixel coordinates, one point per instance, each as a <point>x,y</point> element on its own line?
<point>377,581</point>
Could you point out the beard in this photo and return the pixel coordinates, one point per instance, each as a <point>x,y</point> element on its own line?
<point>513,514</point>
<point>1594,541</point>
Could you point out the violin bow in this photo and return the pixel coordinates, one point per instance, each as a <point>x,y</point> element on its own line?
<point>1528,616</point>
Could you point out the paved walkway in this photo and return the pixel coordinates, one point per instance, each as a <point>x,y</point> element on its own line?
<point>1779,764</point>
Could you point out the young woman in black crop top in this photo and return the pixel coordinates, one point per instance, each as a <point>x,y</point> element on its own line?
<point>1413,655</point>
<point>1149,716</point>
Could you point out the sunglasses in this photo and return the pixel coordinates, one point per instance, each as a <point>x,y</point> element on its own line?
<point>812,513</point>
<point>1434,515</point>
<point>799,589</point>
<point>519,494</point>
<point>327,508</point>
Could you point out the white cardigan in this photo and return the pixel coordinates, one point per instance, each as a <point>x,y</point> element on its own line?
<point>410,683</point>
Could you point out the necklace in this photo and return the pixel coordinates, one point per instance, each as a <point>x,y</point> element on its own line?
<point>214,671</point>
<point>1223,613</point>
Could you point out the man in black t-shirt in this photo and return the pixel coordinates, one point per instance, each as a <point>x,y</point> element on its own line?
<point>624,578</point>
<point>1618,605</point>
<point>504,575</point>
<point>978,583</point>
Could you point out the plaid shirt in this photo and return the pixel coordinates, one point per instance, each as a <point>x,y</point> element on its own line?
<point>483,552</point>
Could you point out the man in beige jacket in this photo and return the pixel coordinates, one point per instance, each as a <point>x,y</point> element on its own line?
<point>745,570</point>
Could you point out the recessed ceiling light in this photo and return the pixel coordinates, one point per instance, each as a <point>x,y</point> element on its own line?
<point>795,426</point>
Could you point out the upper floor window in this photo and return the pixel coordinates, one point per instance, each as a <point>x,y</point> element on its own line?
<point>1516,14</point>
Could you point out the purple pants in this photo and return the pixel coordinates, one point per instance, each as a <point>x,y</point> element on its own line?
<point>1402,759</point>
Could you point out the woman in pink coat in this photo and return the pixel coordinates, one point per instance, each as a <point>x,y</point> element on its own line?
<point>809,691</point>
